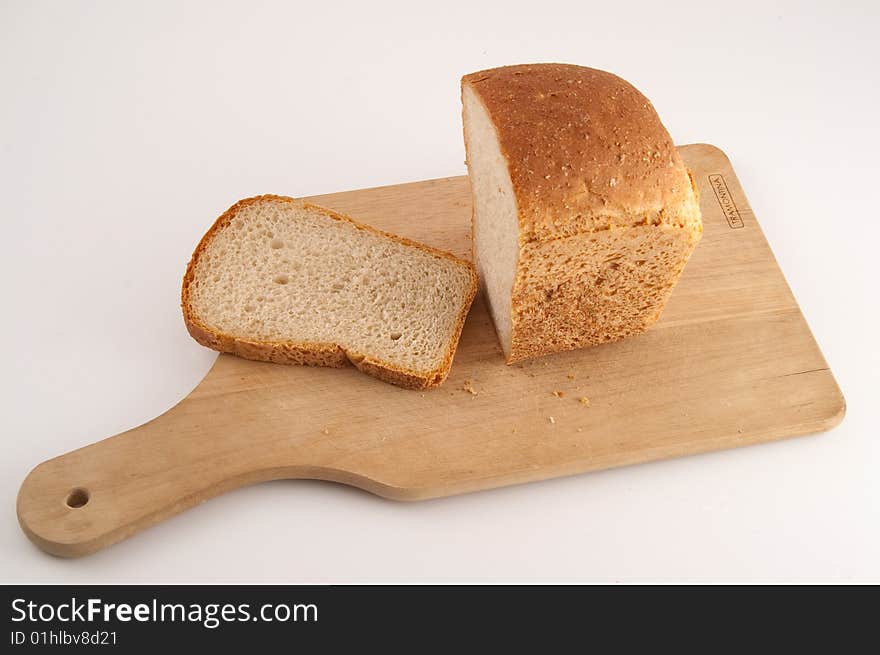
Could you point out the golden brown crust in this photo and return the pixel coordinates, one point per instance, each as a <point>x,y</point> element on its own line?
<point>596,287</point>
<point>317,354</point>
<point>585,150</point>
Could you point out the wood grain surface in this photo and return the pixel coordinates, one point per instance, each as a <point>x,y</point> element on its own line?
<point>731,363</point>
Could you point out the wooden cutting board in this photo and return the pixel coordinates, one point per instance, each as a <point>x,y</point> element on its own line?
<point>731,363</point>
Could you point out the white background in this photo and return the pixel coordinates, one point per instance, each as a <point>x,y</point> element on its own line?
<point>126,128</point>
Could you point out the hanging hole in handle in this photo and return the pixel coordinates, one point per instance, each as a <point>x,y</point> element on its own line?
<point>77,498</point>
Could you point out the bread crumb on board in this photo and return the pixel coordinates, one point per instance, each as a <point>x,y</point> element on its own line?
<point>469,387</point>
<point>552,420</point>
<point>583,400</point>
<point>559,394</point>
<point>325,431</point>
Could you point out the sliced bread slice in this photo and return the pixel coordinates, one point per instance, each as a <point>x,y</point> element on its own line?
<point>281,280</point>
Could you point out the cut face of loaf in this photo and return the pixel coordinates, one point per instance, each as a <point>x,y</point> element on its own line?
<point>584,214</point>
<point>280,280</point>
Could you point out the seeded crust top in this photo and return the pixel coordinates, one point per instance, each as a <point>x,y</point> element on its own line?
<point>585,149</point>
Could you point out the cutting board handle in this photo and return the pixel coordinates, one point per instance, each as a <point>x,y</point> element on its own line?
<point>92,497</point>
<point>222,436</point>
<point>87,499</point>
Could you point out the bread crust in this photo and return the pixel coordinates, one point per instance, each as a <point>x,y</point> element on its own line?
<point>585,150</point>
<point>317,353</point>
<point>586,153</point>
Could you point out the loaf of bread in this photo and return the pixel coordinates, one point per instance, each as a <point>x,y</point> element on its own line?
<point>281,280</point>
<point>584,214</point>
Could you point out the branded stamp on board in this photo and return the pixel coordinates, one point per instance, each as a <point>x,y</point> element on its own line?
<point>725,200</point>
